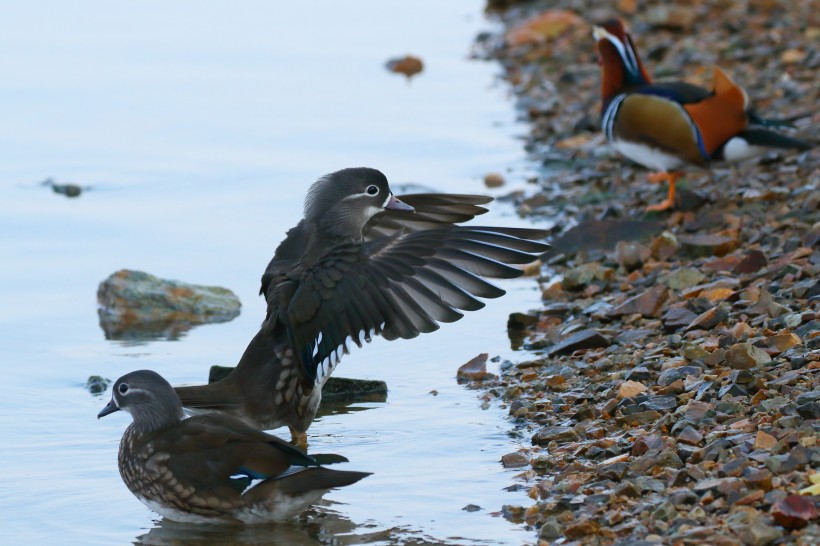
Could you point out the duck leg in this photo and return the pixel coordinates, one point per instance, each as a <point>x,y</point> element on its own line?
<point>657,178</point>
<point>299,439</point>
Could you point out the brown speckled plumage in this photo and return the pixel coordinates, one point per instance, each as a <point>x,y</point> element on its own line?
<point>201,469</point>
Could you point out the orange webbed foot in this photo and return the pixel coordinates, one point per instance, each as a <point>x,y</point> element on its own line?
<point>669,202</point>
<point>658,177</point>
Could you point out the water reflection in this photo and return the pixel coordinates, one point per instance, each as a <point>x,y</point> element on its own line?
<point>318,526</point>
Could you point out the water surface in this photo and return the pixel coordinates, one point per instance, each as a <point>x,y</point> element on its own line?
<point>198,126</point>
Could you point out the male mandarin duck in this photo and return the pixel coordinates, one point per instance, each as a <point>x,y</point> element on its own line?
<point>360,263</point>
<point>668,125</point>
<point>212,468</point>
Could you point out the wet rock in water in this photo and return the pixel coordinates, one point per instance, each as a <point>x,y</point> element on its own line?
<point>547,434</point>
<point>69,190</point>
<point>515,460</point>
<point>494,180</point>
<point>336,390</point>
<point>743,356</point>
<point>345,390</point>
<point>474,370</point>
<point>97,384</point>
<point>521,321</point>
<point>409,65</point>
<point>585,339</point>
<point>138,306</point>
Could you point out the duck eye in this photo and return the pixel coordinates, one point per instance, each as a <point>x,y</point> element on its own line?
<point>123,388</point>
<point>372,190</point>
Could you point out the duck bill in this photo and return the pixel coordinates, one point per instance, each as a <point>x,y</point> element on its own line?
<point>395,204</point>
<point>109,409</point>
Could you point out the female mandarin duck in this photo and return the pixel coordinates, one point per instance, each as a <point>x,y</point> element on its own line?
<point>666,126</point>
<point>360,263</point>
<point>212,468</point>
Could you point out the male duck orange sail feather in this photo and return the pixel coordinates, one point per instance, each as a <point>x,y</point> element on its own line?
<point>669,125</point>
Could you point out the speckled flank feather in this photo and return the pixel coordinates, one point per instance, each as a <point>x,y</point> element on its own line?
<point>212,468</point>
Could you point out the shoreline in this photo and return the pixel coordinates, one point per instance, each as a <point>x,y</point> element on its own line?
<point>676,395</point>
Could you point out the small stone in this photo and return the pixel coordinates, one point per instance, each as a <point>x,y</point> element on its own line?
<point>585,339</point>
<point>690,435</point>
<point>758,533</point>
<point>794,512</point>
<point>493,180</point>
<point>674,17</point>
<point>713,244</point>
<point>684,277</point>
<point>660,403</point>
<point>474,370</point>
<point>639,418</point>
<point>638,373</point>
<point>515,459</point>
<point>471,508</point>
<point>677,317</point>
<point>581,528</point>
<point>409,65</point>
<point>521,321</point>
<point>630,389</point>
<point>547,434</point>
<point>664,246</point>
<point>697,411</point>
<point>631,255</point>
<point>647,304</point>
<point>709,319</point>
<point>753,261</point>
<point>743,356</point>
<point>764,440</point>
<point>692,351</point>
<point>783,342</point>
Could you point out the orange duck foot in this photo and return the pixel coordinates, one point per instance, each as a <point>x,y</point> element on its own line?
<point>669,202</point>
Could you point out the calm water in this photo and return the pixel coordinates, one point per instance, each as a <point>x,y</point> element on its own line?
<point>198,127</point>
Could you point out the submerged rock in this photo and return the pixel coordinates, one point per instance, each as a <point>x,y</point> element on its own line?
<point>97,384</point>
<point>138,306</point>
<point>336,390</point>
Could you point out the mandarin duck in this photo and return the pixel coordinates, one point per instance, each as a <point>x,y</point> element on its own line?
<point>666,126</point>
<point>361,262</point>
<point>212,468</point>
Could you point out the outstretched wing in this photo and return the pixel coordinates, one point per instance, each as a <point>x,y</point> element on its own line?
<point>432,210</point>
<point>400,285</point>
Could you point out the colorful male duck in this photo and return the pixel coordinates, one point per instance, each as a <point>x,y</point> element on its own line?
<point>212,468</point>
<point>360,263</point>
<point>669,125</point>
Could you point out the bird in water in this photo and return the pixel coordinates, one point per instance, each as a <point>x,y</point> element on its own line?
<point>212,468</point>
<point>361,263</point>
<point>667,126</point>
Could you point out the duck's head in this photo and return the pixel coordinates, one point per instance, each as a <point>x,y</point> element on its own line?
<point>341,203</point>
